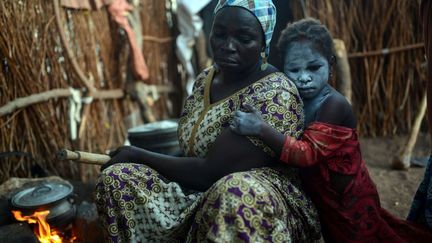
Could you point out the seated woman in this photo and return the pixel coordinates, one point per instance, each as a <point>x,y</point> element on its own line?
<point>332,169</point>
<point>228,189</point>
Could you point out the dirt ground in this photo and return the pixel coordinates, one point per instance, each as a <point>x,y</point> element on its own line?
<point>396,188</point>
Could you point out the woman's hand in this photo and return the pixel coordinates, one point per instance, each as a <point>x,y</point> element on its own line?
<point>249,123</point>
<point>124,154</point>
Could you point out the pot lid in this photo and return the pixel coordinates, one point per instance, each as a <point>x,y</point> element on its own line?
<point>40,195</point>
<point>159,126</point>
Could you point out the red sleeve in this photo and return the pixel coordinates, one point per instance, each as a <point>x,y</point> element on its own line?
<point>298,153</point>
<point>320,143</point>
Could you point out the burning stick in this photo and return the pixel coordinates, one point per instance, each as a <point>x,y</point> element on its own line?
<point>83,157</point>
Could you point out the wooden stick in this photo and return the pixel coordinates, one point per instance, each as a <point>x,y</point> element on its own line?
<point>386,51</point>
<point>402,161</point>
<point>343,72</point>
<point>83,157</point>
<point>69,52</point>
<point>52,94</point>
<point>161,40</point>
<point>61,93</point>
<point>32,99</point>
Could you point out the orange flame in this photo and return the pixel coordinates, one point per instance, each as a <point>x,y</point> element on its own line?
<point>43,230</point>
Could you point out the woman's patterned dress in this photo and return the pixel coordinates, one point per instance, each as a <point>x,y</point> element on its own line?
<point>137,204</point>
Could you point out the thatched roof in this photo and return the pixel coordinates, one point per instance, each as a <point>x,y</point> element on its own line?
<point>383,39</point>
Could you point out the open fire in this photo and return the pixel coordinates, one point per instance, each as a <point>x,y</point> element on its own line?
<point>43,231</point>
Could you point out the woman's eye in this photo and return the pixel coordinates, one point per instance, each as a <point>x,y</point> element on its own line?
<point>218,34</point>
<point>245,39</point>
<point>314,67</point>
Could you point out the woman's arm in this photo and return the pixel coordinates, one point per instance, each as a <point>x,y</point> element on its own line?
<point>229,153</point>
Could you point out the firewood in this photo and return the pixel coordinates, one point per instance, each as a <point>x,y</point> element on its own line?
<point>402,161</point>
<point>343,73</point>
<point>83,157</point>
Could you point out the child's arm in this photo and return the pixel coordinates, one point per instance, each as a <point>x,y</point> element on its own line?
<point>292,151</point>
<point>298,153</point>
<point>250,123</point>
<point>313,147</point>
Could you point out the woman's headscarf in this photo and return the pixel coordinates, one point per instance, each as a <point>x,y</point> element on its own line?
<point>263,10</point>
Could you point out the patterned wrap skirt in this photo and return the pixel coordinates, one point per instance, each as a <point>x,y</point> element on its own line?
<point>137,204</point>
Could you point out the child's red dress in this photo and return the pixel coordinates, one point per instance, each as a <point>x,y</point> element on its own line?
<point>330,156</point>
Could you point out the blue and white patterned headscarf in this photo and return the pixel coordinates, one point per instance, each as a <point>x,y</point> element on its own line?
<point>263,10</point>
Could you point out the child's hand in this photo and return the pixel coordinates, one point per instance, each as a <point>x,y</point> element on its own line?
<point>247,123</point>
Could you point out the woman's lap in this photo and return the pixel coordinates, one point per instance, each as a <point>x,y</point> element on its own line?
<point>137,204</point>
<point>250,207</point>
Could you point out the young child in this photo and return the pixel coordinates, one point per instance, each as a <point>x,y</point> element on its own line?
<point>332,169</point>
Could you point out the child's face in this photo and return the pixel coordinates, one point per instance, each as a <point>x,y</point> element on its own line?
<point>306,67</point>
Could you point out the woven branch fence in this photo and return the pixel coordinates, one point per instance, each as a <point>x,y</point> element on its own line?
<point>387,85</point>
<point>33,59</point>
<point>387,58</point>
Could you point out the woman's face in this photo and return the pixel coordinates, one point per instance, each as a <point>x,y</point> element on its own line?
<point>236,39</point>
<point>306,67</point>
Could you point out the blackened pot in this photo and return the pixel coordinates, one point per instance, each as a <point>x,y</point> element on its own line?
<point>160,137</point>
<point>53,196</point>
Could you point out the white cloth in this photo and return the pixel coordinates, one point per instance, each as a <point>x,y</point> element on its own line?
<point>190,25</point>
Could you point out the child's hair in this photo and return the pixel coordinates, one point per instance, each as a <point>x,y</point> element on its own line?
<point>308,29</point>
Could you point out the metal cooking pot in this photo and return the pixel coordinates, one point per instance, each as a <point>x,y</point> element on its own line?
<point>52,196</point>
<point>159,137</point>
